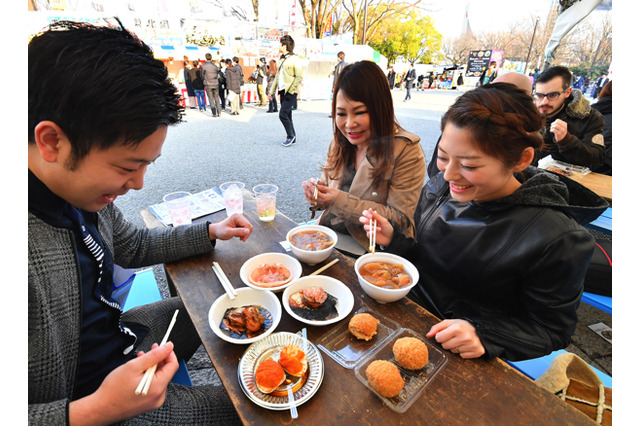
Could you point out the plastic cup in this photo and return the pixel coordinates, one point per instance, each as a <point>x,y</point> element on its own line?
<point>232,194</point>
<point>179,206</point>
<point>266,201</point>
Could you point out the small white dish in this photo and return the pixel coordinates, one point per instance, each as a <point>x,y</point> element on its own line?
<point>287,261</point>
<point>312,257</point>
<point>246,296</point>
<point>331,286</point>
<point>385,295</point>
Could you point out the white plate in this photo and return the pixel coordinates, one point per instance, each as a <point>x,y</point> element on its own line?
<point>289,262</point>
<point>272,345</point>
<point>330,285</point>
<point>246,296</point>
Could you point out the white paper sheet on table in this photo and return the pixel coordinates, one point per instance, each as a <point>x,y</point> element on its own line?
<point>202,204</point>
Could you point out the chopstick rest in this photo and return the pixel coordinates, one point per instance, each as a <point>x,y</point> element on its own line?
<point>145,383</point>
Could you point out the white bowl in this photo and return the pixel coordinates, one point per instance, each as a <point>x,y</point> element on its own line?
<point>287,261</point>
<point>332,286</point>
<point>246,296</point>
<point>384,295</point>
<point>312,257</point>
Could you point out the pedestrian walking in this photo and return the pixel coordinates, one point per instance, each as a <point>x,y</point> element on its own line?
<point>262,73</point>
<point>271,78</point>
<point>191,94</point>
<point>233,82</point>
<point>288,78</point>
<point>408,81</point>
<point>195,75</point>
<point>210,80</point>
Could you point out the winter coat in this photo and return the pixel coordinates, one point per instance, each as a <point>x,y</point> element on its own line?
<point>233,79</point>
<point>584,143</point>
<point>395,197</point>
<point>195,75</point>
<point>292,68</point>
<point>513,267</point>
<point>209,74</point>
<point>188,82</point>
<point>604,106</point>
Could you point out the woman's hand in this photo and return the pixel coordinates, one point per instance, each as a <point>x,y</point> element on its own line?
<point>384,230</point>
<point>459,336</point>
<point>234,226</point>
<point>325,195</point>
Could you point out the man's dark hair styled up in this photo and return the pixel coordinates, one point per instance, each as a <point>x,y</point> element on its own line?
<point>288,42</point>
<point>553,72</point>
<point>101,85</point>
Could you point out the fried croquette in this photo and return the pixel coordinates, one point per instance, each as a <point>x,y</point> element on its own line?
<point>411,353</point>
<point>363,326</point>
<point>384,377</point>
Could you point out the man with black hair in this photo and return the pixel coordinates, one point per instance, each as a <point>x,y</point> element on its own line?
<point>262,73</point>
<point>92,135</point>
<point>574,131</point>
<point>288,78</point>
<point>408,81</point>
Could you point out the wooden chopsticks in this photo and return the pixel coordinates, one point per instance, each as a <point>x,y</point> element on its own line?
<point>145,383</point>
<point>328,265</point>
<point>226,284</point>
<point>372,235</point>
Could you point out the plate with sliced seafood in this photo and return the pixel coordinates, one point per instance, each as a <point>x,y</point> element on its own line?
<point>270,366</point>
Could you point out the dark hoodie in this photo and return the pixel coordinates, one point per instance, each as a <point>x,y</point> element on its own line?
<point>513,267</point>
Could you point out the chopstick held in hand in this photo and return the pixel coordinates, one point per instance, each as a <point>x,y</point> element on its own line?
<point>145,383</point>
<point>373,224</point>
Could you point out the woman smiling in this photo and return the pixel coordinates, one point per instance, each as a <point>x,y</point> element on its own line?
<point>500,248</point>
<point>372,162</point>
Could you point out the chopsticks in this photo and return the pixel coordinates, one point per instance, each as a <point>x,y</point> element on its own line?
<point>372,234</point>
<point>328,265</point>
<point>226,284</point>
<point>145,383</point>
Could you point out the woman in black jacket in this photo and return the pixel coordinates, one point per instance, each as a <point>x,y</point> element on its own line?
<point>499,246</point>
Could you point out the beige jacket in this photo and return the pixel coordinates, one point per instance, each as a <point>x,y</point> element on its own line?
<point>395,198</point>
<point>292,69</point>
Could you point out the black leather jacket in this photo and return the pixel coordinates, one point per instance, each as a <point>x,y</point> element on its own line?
<point>513,267</point>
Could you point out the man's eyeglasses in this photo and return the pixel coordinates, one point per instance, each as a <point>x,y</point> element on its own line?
<point>551,96</point>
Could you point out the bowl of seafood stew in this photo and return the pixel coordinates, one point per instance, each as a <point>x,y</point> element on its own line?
<point>270,271</point>
<point>386,277</point>
<point>318,300</point>
<point>252,315</point>
<point>312,244</point>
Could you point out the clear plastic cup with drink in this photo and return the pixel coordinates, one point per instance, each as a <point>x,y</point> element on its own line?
<point>232,194</point>
<point>266,201</point>
<point>179,206</point>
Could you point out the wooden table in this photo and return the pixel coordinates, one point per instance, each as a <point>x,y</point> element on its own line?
<point>465,391</point>
<point>598,183</point>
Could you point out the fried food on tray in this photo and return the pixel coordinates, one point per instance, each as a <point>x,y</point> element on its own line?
<point>269,275</point>
<point>269,375</point>
<point>363,326</point>
<point>411,353</point>
<point>293,360</point>
<point>384,377</point>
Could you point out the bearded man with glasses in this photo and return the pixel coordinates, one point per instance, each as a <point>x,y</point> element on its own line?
<point>573,131</point>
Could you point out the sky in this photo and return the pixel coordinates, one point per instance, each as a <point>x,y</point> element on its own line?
<point>485,15</point>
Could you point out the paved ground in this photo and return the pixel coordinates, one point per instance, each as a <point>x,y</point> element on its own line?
<point>204,152</point>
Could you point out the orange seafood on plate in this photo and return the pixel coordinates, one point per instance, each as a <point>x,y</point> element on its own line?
<point>385,274</point>
<point>293,360</point>
<point>269,375</point>
<point>270,275</point>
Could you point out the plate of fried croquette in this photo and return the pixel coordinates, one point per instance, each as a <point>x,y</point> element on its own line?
<point>400,369</point>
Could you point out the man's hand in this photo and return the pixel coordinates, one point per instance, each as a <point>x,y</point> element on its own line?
<point>234,226</point>
<point>458,336</point>
<point>559,129</point>
<point>116,400</point>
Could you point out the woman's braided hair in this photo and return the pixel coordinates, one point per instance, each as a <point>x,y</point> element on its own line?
<point>502,119</point>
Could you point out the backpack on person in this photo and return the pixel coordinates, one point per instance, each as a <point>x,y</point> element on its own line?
<point>221,78</point>
<point>254,76</point>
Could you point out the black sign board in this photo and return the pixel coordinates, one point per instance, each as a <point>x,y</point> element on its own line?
<point>478,62</point>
